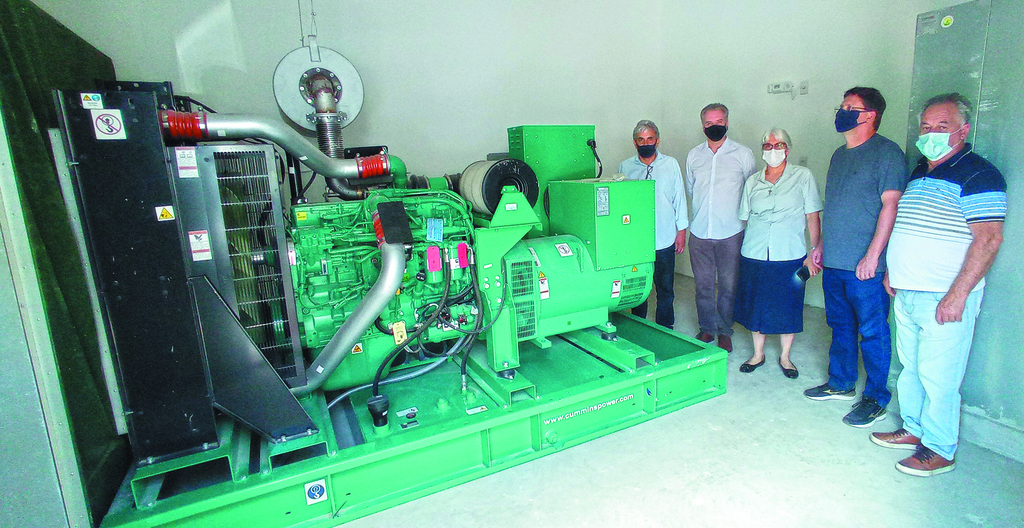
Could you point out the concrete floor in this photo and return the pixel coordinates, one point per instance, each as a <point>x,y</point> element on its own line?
<point>760,455</point>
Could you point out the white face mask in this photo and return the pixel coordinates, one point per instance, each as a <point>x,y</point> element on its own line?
<point>773,157</point>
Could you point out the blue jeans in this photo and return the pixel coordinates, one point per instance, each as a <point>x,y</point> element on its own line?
<point>664,285</point>
<point>858,308</point>
<point>934,359</point>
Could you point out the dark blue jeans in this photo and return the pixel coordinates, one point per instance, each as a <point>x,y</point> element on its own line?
<point>664,285</point>
<point>854,307</point>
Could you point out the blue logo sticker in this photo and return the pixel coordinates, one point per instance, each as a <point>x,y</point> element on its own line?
<point>316,492</point>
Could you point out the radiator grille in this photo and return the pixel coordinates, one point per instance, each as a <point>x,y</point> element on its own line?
<point>246,202</point>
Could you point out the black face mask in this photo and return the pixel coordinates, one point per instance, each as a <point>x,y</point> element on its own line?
<point>715,132</point>
<point>646,151</point>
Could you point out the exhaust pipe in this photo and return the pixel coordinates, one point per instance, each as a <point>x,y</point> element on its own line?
<point>199,126</point>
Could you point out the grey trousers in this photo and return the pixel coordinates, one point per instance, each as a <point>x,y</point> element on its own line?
<point>715,263</point>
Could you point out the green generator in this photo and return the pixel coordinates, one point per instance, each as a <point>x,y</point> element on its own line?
<point>310,364</point>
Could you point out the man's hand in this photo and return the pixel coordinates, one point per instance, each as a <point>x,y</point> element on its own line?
<point>816,257</point>
<point>866,267</point>
<point>812,267</point>
<point>950,309</point>
<point>680,241</point>
<point>885,282</point>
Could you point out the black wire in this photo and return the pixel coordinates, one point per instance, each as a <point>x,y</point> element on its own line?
<point>302,194</point>
<point>197,103</point>
<point>416,333</point>
<point>600,166</point>
<point>479,319</point>
<point>380,326</point>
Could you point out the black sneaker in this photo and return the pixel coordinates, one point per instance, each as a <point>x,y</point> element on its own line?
<point>866,412</point>
<point>824,392</point>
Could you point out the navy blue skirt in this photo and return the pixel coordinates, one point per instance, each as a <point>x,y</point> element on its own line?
<point>770,296</point>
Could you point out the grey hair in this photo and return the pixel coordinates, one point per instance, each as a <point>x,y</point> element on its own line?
<point>645,124</point>
<point>963,105</point>
<point>780,134</point>
<point>714,106</point>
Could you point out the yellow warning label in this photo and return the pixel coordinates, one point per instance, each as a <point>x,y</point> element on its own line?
<point>300,215</point>
<point>542,274</point>
<point>634,269</point>
<point>357,348</point>
<point>164,213</point>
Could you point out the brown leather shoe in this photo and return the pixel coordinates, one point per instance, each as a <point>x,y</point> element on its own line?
<point>705,337</point>
<point>898,439</point>
<point>725,342</point>
<point>925,463</point>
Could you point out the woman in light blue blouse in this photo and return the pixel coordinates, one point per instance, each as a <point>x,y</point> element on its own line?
<point>778,203</point>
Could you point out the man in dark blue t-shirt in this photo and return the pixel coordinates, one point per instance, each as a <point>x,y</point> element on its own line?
<point>866,178</point>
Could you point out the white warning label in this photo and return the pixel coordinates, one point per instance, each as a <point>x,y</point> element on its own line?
<point>616,288</point>
<point>544,291</point>
<point>199,241</point>
<point>164,213</point>
<point>108,124</point>
<point>357,348</point>
<point>564,250</point>
<point>187,166</point>
<point>92,101</point>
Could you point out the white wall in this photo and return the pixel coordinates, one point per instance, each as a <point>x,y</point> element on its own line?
<point>444,80</point>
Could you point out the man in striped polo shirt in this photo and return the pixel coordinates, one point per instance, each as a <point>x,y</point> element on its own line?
<point>949,226</point>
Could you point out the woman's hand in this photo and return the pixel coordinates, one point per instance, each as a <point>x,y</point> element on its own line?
<point>812,266</point>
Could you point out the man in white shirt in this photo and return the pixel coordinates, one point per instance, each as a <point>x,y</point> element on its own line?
<point>715,173</point>
<point>670,215</point>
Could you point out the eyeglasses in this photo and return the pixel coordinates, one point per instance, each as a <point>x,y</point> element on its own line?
<point>777,146</point>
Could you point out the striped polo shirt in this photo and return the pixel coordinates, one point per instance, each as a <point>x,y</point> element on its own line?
<point>932,232</point>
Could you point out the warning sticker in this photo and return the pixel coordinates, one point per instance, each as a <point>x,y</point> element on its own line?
<point>616,288</point>
<point>108,124</point>
<point>187,167</point>
<point>475,410</point>
<point>92,101</point>
<point>625,220</point>
<point>544,291</point>
<point>357,348</point>
<point>300,215</point>
<point>603,205</point>
<point>316,492</point>
<point>200,243</point>
<point>511,207</point>
<point>564,250</point>
<point>164,213</point>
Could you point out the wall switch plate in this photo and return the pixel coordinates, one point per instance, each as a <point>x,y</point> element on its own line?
<point>804,88</point>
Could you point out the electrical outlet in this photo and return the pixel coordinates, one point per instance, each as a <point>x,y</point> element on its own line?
<point>780,87</point>
<point>804,89</point>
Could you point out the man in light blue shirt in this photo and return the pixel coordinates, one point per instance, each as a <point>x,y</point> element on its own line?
<point>716,171</point>
<point>671,218</point>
